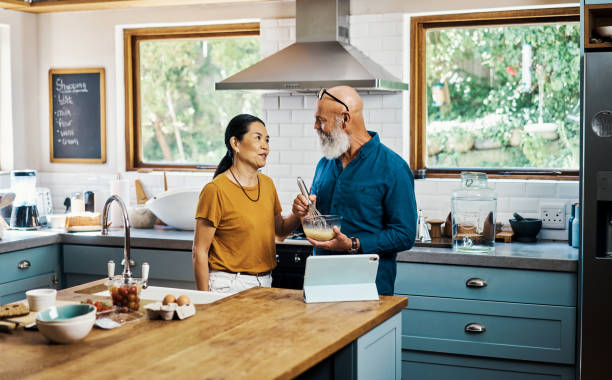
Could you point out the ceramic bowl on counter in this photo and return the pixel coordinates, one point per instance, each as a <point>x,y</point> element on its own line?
<point>67,323</point>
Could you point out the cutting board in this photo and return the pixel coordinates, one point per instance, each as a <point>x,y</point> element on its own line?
<point>155,293</point>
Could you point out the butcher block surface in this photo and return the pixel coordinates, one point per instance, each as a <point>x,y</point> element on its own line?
<point>261,333</point>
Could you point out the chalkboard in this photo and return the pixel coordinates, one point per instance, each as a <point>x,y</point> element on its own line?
<point>77,119</point>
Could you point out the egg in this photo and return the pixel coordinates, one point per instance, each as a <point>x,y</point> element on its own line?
<point>183,300</point>
<point>169,298</point>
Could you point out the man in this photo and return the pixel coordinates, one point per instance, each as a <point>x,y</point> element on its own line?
<point>365,182</point>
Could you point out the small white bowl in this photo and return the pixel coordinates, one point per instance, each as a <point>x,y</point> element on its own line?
<point>67,323</point>
<point>40,299</point>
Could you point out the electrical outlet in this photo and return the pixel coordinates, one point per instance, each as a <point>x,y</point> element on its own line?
<point>553,215</point>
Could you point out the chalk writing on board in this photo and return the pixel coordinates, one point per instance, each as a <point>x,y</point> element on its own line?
<point>77,115</point>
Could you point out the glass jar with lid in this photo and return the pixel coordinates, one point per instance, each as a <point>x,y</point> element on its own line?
<point>473,209</point>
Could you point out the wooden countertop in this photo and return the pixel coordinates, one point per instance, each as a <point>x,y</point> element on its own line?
<point>261,333</point>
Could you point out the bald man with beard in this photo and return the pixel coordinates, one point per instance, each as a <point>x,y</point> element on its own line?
<point>365,182</point>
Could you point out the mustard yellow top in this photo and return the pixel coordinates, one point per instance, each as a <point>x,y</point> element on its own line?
<point>244,239</point>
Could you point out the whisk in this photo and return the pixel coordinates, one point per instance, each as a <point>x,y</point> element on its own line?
<point>317,218</point>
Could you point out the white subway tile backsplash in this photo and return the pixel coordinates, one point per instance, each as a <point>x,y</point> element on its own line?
<point>280,116</point>
<point>291,102</point>
<point>568,189</point>
<point>291,157</point>
<point>392,130</point>
<point>280,143</point>
<point>273,129</point>
<point>302,116</point>
<point>291,130</point>
<point>270,103</point>
<point>278,170</point>
<point>305,171</point>
<point>310,102</point>
<point>522,205</point>
<point>305,143</point>
<point>273,158</point>
<point>426,187</point>
<point>382,116</point>
<point>312,157</point>
<point>372,101</point>
<point>541,189</point>
<point>393,101</point>
<point>287,185</point>
<point>309,130</point>
<point>509,188</point>
<point>392,43</point>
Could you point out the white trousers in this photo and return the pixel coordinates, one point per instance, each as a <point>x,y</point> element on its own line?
<point>224,282</point>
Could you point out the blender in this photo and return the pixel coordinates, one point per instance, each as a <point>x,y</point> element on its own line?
<point>25,213</point>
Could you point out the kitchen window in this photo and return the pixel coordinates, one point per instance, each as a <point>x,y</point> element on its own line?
<point>174,117</point>
<point>497,92</point>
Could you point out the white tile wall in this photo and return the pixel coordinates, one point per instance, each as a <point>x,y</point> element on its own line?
<point>291,116</point>
<point>295,152</point>
<point>433,197</point>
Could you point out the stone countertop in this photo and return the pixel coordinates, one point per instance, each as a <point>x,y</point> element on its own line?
<point>544,255</point>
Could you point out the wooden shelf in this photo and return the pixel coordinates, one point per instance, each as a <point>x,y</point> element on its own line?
<point>595,16</point>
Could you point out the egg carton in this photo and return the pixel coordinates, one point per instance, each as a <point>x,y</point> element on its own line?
<point>170,311</point>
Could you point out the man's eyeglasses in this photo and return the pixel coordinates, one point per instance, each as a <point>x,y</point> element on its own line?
<point>323,91</point>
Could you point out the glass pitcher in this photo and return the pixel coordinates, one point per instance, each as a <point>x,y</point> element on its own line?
<point>473,208</point>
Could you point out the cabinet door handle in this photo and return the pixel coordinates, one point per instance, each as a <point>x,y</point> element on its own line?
<point>475,283</point>
<point>55,281</point>
<point>24,264</point>
<point>475,328</point>
<point>277,257</point>
<point>132,262</point>
<point>297,258</point>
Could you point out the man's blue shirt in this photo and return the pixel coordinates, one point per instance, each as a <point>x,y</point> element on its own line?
<point>374,194</point>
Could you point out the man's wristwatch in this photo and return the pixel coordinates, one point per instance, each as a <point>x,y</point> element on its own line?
<point>354,249</point>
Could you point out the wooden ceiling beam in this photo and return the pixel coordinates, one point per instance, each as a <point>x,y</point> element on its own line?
<point>90,5</point>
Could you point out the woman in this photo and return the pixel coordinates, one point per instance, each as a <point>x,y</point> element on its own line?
<point>239,214</point>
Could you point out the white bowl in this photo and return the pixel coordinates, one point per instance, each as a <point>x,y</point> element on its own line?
<point>604,31</point>
<point>40,299</point>
<point>62,324</point>
<point>176,207</point>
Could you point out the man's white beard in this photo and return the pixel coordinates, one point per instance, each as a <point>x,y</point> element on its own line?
<point>336,143</point>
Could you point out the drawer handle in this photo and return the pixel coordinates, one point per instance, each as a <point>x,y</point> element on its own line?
<point>476,283</point>
<point>297,258</point>
<point>132,263</point>
<point>475,328</point>
<point>25,264</point>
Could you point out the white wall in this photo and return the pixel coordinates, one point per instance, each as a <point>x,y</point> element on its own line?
<point>20,120</point>
<point>87,39</point>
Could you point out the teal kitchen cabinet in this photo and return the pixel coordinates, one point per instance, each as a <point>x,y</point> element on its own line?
<point>29,269</point>
<point>483,322</point>
<point>85,263</point>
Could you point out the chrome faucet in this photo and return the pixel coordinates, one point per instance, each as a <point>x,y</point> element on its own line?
<point>127,273</point>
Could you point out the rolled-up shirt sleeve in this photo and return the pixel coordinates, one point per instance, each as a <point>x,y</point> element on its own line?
<point>400,217</point>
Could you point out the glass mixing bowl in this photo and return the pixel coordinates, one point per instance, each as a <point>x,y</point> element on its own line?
<point>321,227</point>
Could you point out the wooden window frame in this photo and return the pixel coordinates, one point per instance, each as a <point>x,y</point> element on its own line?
<point>418,91</point>
<point>131,43</point>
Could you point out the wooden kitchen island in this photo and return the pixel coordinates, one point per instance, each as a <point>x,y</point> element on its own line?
<point>261,333</point>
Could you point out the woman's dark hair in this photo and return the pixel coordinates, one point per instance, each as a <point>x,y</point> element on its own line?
<point>238,127</point>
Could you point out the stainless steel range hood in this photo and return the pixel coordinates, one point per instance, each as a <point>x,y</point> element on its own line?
<point>321,57</point>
